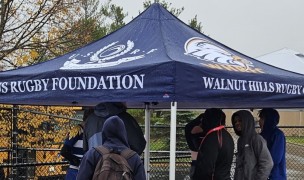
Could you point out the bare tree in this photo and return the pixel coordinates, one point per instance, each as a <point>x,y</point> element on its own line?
<point>32,31</point>
<point>28,24</point>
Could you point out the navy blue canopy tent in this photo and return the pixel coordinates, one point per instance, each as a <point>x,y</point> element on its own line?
<point>155,58</point>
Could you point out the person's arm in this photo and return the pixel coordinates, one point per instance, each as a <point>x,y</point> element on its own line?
<point>66,150</point>
<point>85,145</point>
<point>207,157</point>
<point>88,164</point>
<point>139,170</point>
<point>264,160</point>
<point>2,174</point>
<point>190,131</point>
<point>277,150</point>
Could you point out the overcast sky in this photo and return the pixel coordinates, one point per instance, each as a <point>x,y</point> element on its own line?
<point>252,27</point>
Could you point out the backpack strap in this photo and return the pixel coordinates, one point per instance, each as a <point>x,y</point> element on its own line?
<point>210,131</point>
<point>102,150</point>
<point>127,153</point>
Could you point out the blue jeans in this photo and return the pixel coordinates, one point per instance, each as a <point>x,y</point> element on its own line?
<point>71,174</point>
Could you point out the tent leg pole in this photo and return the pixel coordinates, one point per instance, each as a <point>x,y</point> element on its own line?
<point>172,140</point>
<point>147,136</point>
<point>300,134</point>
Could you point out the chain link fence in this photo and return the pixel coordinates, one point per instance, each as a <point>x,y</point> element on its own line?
<point>45,162</point>
<point>30,141</point>
<point>159,162</point>
<point>39,164</point>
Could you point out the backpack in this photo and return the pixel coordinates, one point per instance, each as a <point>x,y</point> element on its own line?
<point>113,165</point>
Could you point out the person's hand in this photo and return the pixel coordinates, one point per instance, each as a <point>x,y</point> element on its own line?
<point>76,161</point>
<point>196,129</point>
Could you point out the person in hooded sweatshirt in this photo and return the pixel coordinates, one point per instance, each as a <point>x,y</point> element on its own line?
<point>276,142</point>
<point>216,149</point>
<point>193,135</point>
<point>94,123</point>
<point>253,160</point>
<point>72,148</point>
<point>114,137</point>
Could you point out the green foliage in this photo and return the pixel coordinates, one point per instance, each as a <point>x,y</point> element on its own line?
<point>195,24</point>
<point>160,145</point>
<point>166,5</point>
<point>183,117</point>
<point>177,11</point>
<point>138,114</point>
<point>114,14</point>
<point>160,127</point>
<point>295,139</point>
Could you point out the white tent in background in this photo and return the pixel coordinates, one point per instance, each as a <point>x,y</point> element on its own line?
<point>285,59</point>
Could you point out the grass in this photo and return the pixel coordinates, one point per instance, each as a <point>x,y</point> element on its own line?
<point>295,139</point>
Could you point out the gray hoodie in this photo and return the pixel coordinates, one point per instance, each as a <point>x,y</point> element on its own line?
<point>253,160</point>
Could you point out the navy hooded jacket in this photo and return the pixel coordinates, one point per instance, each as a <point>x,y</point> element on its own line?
<point>276,143</point>
<point>114,137</point>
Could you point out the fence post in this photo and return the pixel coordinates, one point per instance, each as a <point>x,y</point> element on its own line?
<point>14,145</point>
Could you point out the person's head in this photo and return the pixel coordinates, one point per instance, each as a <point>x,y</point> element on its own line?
<point>268,118</point>
<point>243,122</point>
<point>87,111</point>
<point>107,109</point>
<point>237,124</point>
<point>196,130</point>
<point>114,133</point>
<point>212,118</point>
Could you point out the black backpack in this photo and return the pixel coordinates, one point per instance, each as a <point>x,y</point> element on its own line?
<point>113,165</point>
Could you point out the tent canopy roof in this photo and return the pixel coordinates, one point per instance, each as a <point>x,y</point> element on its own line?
<point>155,58</point>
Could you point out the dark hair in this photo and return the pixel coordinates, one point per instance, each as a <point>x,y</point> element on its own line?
<point>214,116</point>
<point>223,118</point>
<point>268,112</point>
<point>234,115</point>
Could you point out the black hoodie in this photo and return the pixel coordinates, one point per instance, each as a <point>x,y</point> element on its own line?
<point>193,140</point>
<point>216,152</point>
<point>94,125</point>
